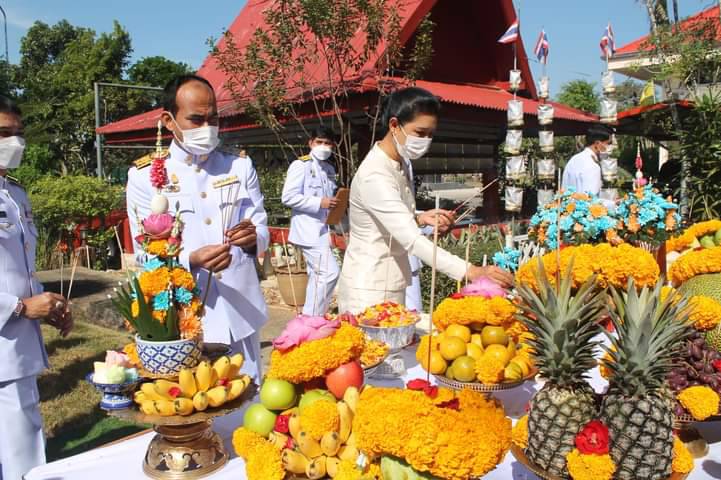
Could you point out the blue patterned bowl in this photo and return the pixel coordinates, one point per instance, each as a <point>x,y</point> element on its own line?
<point>168,358</point>
<point>116,396</point>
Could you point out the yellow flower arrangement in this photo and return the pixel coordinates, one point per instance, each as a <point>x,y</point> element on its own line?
<point>700,401</point>
<point>182,278</point>
<point>157,247</point>
<point>444,395</point>
<point>347,470</point>
<point>612,265</point>
<point>154,282</point>
<point>423,345</point>
<point>489,370</point>
<point>704,312</point>
<point>373,351</point>
<point>313,359</point>
<point>589,467</point>
<point>697,230</point>
<point>682,458</point>
<point>319,418</point>
<point>132,352</point>
<point>697,262</point>
<point>262,459</point>
<point>430,438</point>
<point>474,309</point>
<point>519,433</point>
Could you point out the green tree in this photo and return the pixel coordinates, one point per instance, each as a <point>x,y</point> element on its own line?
<point>580,94</point>
<point>156,71</point>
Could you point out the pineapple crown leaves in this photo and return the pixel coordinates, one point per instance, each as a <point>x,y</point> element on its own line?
<point>650,333</point>
<point>563,324</point>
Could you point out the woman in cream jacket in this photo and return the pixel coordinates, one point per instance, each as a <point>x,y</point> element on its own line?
<point>384,226</point>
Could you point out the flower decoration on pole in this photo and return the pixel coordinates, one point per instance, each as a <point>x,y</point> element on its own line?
<point>647,216</point>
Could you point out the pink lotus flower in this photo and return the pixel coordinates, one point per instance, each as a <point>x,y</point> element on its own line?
<point>305,328</point>
<point>173,241</point>
<point>483,287</point>
<point>113,358</point>
<point>158,226</point>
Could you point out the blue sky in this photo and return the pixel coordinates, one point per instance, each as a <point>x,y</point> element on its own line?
<point>179,29</point>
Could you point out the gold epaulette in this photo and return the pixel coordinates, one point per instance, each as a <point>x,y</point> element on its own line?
<point>304,158</point>
<point>143,162</point>
<point>13,180</point>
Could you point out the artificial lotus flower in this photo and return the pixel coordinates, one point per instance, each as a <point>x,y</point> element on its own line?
<point>305,328</point>
<point>483,287</point>
<point>158,226</point>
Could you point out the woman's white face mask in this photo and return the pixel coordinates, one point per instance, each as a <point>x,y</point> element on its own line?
<point>198,141</point>
<point>414,148</point>
<point>11,152</point>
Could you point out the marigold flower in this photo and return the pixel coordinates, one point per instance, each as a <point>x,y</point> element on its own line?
<point>182,278</point>
<point>474,309</point>
<point>132,352</point>
<point>157,247</point>
<point>705,312</point>
<point>489,370</point>
<point>700,401</point>
<point>682,458</point>
<point>597,210</point>
<point>348,470</point>
<point>320,418</point>
<point>589,467</point>
<point>697,262</point>
<point>697,230</point>
<point>262,459</point>
<point>190,325</point>
<point>152,283</point>
<point>135,308</point>
<point>520,432</point>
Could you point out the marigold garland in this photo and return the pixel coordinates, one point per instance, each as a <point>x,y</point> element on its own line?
<point>152,283</point>
<point>474,309</point>
<point>589,467</point>
<point>430,438</point>
<point>700,401</point>
<point>682,458</point>
<point>697,230</point>
<point>611,265</point>
<point>347,470</point>
<point>705,312</point>
<point>313,359</point>
<point>132,352</point>
<point>697,262</point>
<point>262,459</point>
<point>157,247</point>
<point>489,370</point>
<point>319,418</point>
<point>520,432</point>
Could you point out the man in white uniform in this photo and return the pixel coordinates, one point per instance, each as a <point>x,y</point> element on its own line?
<point>583,171</point>
<point>309,191</point>
<point>22,305</point>
<point>218,197</point>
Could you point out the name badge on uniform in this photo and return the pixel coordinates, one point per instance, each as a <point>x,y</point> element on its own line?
<point>224,182</point>
<point>3,214</point>
<point>174,186</point>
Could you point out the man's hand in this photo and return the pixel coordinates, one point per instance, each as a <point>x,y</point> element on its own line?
<point>446,218</point>
<point>47,305</point>
<point>212,257</point>
<point>498,275</point>
<point>242,235</point>
<point>328,202</point>
<point>65,323</point>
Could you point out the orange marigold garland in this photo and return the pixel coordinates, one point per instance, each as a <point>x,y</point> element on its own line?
<point>697,262</point>
<point>154,282</point>
<point>695,231</point>
<point>320,417</point>
<point>589,467</point>
<point>262,459</point>
<point>682,458</point>
<point>700,401</point>
<point>474,309</point>
<point>520,432</point>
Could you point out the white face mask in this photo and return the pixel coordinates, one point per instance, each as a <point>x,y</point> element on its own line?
<point>198,141</point>
<point>414,148</point>
<point>321,152</point>
<point>11,152</point>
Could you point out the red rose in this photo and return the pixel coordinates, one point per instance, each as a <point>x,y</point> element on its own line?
<point>593,438</point>
<point>717,365</point>
<point>457,296</point>
<point>174,392</point>
<point>418,384</point>
<point>281,424</point>
<point>431,391</point>
<point>290,444</point>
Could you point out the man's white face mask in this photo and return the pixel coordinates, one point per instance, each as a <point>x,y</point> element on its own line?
<point>321,152</point>
<point>198,141</point>
<point>11,152</point>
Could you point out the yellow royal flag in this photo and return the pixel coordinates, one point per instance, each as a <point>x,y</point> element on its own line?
<point>648,95</point>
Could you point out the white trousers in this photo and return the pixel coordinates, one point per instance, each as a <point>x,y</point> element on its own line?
<point>250,348</point>
<point>414,300</point>
<point>22,444</point>
<point>323,274</point>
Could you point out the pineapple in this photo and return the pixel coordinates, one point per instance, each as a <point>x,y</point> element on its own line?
<point>563,325</point>
<point>638,409</point>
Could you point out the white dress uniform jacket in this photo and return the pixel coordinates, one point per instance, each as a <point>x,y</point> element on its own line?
<point>235,307</point>
<point>583,173</point>
<point>382,212</point>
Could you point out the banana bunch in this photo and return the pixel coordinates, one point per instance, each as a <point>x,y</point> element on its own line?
<point>318,459</point>
<point>208,386</point>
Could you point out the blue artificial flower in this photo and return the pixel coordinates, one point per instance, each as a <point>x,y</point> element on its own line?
<point>183,296</point>
<point>161,301</point>
<point>153,264</point>
<point>507,259</point>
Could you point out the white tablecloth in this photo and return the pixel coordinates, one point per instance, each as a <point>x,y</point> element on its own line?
<point>123,461</point>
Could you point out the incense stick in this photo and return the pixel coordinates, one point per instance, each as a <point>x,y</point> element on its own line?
<point>483,189</point>
<point>468,254</point>
<point>72,277</point>
<point>62,269</point>
<point>120,247</point>
<point>290,274</point>
<point>433,296</point>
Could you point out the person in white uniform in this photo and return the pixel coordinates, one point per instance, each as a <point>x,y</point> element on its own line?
<point>583,170</point>
<point>22,306</point>
<point>309,190</point>
<point>384,227</point>
<point>218,197</point>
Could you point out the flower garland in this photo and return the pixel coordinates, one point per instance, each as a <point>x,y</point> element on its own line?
<point>313,359</point>
<point>704,312</point>
<point>348,470</point>
<point>432,438</point>
<point>700,401</point>
<point>682,458</point>
<point>645,215</point>
<point>262,459</point>
<point>697,262</point>
<point>611,265</point>
<point>490,370</point>
<point>589,467</point>
<point>320,417</point>
<point>465,310</point>
<point>519,434</point>
<point>695,231</point>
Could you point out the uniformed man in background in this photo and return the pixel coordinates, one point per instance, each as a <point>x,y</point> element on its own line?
<point>218,197</point>
<point>309,190</point>
<point>583,170</point>
<point>22,306</point>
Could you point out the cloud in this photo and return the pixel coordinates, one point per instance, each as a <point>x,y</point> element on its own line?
<point>19,19</point>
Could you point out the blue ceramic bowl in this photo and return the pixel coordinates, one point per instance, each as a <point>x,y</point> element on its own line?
<point>116,396</point>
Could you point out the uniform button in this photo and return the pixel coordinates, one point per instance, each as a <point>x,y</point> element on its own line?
<point>208,221</point>
<point>197,169</point>
<point>203,194</point>
<point>219,276</point>
<point>188,160</point>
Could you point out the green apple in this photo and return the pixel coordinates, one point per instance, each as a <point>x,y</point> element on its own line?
<point>717,237</point>
<point>312,396</point>
<point>259,419</point>
<point>277,394</point>
<point>707,241</point>
<point>395,469</point>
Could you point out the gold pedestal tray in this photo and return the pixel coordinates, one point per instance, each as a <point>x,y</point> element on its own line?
<point>185,447</point>
<point>520,455</point>
<point>483,387</point>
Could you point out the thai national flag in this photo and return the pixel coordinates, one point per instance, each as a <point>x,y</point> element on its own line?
<point>542,47</point>
<point>511,34</point>
<point>608,42</point>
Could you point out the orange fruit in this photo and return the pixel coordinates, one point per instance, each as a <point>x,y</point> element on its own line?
<point>477,339</point>
<point>498,352</point>
<point>464,369</point>
<point>449,372</point>
<point>452,348</point>
<point>460,331</point>
<point>438,364</point>
<point>494,335</point>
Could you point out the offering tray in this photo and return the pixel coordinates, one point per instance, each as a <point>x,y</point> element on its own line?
<point>482,387</point>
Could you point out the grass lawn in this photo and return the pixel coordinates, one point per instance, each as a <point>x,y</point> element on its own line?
<point>73,421</point>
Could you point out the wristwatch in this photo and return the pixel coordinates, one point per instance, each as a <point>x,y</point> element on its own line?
<point>19,308</point>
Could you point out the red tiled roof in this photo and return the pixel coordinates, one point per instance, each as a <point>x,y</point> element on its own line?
<point>637,111</point>
<point>641,44</point>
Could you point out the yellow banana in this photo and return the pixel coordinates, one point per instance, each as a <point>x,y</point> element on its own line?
<point>294,425</point>
<point>148,389</point>
<point>351,442</point>
<point>330,443</point>
<point>167,390</point>
<point>217,396</point>
<point>236,363</point>
<point>165,408</point>
<point>148,407</point>
<point>279,440</point>
<point>331,466</point>
<point>202,376</point>
<point>309,447</point>
<point>186,380</point>
<point>346,421</point>
<point>221,367</point>
<point>351,398</point>
<point>236,388</point>
<point>139,397</point>
<point>294,462</point>
<point>183,406</point>
<point>200,401</point>
<point>316,468</point>
<point>348,452</point>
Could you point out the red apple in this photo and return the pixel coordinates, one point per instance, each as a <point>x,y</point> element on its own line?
<point>347,375</point>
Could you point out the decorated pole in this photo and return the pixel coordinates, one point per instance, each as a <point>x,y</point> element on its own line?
<point>433,288</point>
